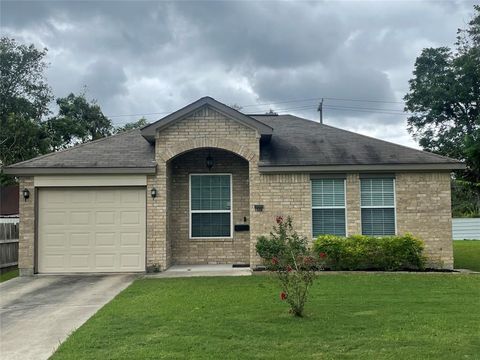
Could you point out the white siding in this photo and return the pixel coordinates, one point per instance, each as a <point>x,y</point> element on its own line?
<point>466,228</point>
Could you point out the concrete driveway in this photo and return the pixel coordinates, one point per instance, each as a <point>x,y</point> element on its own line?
<point>38,313</point>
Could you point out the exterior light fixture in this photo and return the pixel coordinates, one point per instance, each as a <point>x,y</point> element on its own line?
<point>153,193</point>
<point>26,194</point>
<point>209,162</point>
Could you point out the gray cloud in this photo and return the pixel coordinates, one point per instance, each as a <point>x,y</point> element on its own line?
<point>147,56</point>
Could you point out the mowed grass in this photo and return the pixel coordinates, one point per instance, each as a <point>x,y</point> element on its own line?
<point>466,254</point>
<point>353,316</point>
<point>8,275</point>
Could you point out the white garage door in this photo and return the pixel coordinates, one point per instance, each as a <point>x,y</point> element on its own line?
<point>91,230</point>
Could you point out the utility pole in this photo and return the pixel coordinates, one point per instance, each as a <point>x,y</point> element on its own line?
<point>320,110</point>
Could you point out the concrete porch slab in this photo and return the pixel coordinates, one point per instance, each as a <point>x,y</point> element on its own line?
<point>178,271</point>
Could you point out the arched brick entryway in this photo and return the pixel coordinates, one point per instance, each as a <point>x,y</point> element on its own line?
<point>187,248</point>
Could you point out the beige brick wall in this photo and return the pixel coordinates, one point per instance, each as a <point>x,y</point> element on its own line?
<point>156,222</point>
<point>26,241</point>
<point>204,129</point>
<point>354,216</point>
<point>281,195</point>
<point>287,195</point>
<point>424,209</point>
<point>204,251</point>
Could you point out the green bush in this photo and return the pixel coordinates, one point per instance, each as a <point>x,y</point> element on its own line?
<point>360,252</point>
<point>282,241</point>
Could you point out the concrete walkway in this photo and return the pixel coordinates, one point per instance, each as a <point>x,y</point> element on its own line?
<point>38,313</point>
<point>178,271</point>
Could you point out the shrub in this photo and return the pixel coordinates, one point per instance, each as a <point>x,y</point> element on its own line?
<point>360,252</point>
<point>287,253</point>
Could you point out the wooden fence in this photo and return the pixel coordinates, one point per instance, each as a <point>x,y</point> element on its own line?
<point>8,244</point>
<point>466,228</point>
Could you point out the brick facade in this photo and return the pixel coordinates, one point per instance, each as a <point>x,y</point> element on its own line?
<point>423,206</point>
<point>284,195</point>
<point>204,129</point>
<point>208,251</point>
<point>422,198</point>
<point>26,241</point>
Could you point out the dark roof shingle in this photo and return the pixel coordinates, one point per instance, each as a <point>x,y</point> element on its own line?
<point>295,142</point>
<point>124,150</point>
<point>298,141</point>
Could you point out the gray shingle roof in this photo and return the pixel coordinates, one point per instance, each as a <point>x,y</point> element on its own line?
<point>127,150</point>
<point>295,142</point>
<point>303,142</point>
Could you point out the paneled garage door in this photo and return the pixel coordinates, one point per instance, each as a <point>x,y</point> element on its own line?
<point>91,230</point>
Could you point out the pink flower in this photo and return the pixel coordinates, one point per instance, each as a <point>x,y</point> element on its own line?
<point>283,295</point>
<point>322,255</point>
<point>289,268</point>
<point>279,219</point>
<point>274,261</point>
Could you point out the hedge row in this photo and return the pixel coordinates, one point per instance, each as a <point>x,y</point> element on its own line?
<point>359,252</point>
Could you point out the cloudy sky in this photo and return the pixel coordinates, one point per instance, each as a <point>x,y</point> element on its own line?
<point>151,58</point>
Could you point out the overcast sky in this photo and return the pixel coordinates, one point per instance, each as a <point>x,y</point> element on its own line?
<point>155,57</point>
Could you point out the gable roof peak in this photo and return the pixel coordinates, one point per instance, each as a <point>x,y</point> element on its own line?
<point>148,132</point>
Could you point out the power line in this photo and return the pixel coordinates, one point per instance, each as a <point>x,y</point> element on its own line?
<point>366,108</point>
<point>274,103</point>
<point>141,114</point>
<point>364,100</point>
<point>368,111</point>
<point>333,108</point>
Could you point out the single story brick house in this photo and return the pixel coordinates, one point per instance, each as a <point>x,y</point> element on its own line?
<point>201,184</point>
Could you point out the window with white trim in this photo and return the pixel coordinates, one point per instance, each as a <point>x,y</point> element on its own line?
<point>328,207</point>
<point>378,206</point>
<point>210,205</point>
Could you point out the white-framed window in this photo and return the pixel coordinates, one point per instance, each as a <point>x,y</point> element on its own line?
<point>210,206</point>
<point>378,206</point>
<point>328,207</point>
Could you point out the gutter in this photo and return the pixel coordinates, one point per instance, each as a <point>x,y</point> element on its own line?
<point>267,169</point>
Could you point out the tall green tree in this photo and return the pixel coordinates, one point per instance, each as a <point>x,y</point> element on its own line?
<point>25,96</point>
<point>444,98</point>
<point>23,87</point>
<point>26,130</point>
<point>78,120</point>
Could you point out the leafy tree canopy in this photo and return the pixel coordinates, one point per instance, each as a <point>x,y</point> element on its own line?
<point>444,98</point>
<point>78,121</point>
<point>24,96</point>
<point>132,125</point>
<point>26,130</point>
<point>23,87</point>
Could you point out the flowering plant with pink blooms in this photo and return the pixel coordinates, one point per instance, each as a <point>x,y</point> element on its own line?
<point>287,253</point>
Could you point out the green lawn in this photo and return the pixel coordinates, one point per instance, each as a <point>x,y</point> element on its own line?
<point>466,254</point>
<point>8,275</point>
<point>390,316</point>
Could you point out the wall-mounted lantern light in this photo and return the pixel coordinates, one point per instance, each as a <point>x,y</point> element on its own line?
<point>26,194</point>
<point>153,193</point>
<point>209,162</point>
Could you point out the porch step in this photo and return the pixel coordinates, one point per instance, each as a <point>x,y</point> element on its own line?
<point>179,271</point>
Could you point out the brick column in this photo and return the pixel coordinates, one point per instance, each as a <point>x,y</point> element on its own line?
<point>157,220</point>
<point>26,241</point>
<point>354,217</point>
